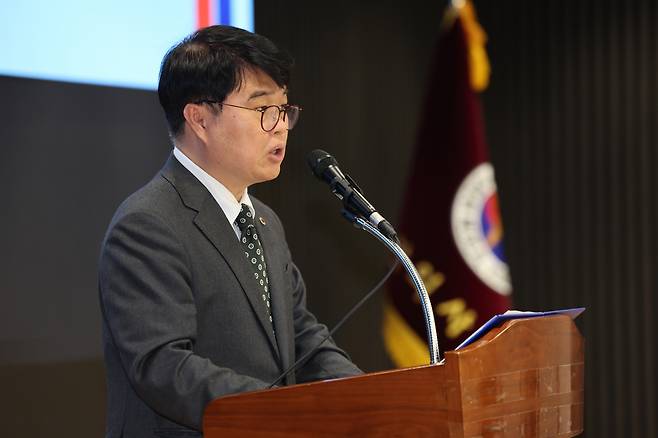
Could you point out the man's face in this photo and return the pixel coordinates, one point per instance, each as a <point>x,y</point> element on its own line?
<point>239,152</point>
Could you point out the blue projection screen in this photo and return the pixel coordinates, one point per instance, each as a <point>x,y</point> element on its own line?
<point>115,43</point>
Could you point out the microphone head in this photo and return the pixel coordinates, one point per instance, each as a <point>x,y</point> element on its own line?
<point>319,160</point>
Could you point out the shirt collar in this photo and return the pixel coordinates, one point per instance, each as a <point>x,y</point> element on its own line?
<point>223,196</point>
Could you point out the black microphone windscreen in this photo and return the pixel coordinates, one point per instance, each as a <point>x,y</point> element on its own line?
<point>318,160</point>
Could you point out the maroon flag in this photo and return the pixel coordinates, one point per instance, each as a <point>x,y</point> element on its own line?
<point>450,225</point>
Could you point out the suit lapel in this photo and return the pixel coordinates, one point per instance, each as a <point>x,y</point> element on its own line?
<point>211,221</point>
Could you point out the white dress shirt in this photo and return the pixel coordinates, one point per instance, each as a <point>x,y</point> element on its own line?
<point>225,199</point>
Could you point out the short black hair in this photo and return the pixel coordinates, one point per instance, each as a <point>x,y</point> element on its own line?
<point>210,64</point>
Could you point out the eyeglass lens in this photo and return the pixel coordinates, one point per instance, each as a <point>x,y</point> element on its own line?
<point>272,113</point>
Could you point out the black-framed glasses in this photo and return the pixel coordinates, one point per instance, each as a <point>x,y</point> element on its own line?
<point>270,114</point>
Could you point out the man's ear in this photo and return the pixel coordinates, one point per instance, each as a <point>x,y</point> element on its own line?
<point>196,116</point>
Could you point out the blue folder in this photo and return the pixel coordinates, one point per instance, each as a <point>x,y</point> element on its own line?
<point>515,314</point>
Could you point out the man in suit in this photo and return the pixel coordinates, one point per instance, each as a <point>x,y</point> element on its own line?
<point>199,294</point>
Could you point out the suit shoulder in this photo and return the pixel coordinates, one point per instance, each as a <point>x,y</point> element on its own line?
<point>158,200</point>
<point>158,197</point>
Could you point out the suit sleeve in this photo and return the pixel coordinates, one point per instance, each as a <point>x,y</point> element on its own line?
<point>329,361</point>
<point>148,306</point>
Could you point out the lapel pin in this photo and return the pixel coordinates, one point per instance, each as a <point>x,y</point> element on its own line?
<point>262,221</point>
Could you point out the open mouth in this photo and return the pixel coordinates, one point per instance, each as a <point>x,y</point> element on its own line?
<point>278,152</point>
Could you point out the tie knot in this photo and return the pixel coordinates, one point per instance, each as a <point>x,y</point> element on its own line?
<point>245,218</point>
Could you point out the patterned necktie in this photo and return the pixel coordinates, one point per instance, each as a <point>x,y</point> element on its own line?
<point>253,252</point>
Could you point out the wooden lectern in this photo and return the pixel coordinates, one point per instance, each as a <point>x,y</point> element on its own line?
<point>524,379</point>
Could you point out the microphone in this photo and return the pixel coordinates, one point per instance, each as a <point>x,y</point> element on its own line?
<point>325,167</point>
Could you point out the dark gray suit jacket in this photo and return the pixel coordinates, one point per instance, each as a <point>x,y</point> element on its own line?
<point>183,321</point>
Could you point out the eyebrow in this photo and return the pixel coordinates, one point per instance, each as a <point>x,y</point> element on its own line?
<point>260,93</point>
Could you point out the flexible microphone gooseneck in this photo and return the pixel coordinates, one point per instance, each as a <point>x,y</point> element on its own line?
<point>302,360</point>
<point>363,215</point>
<point>325,167</point>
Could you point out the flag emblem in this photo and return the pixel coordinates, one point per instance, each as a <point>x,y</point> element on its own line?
<point>477,229</point>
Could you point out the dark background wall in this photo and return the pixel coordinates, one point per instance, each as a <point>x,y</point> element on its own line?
<point>571,120</point>
<point>573,127</point>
